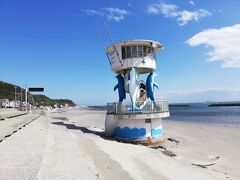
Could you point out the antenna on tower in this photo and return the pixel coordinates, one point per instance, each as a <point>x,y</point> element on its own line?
<point>106,28</point>
<point>100,38</point>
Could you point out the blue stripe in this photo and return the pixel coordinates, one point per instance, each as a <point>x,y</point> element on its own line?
<point>157,132</point>
<point>129,133</point>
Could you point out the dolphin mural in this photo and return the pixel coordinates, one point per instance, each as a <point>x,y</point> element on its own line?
<point>150,85</point>
<point>120,87</point>
<point>133,87</point>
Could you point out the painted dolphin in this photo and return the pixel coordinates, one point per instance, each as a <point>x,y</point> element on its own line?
<point>120,87</point>
<point>150,85</point>
<point>133,87</point>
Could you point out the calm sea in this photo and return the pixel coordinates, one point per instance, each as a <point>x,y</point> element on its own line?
<point>201,113</point>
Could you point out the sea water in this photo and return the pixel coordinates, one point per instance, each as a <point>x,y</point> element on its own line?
<point>201,113</point>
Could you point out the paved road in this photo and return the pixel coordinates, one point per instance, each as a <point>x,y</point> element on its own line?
<point>10,125</point>
<point>51,149</point>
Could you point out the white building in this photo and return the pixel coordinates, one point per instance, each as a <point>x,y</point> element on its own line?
<point>4,103</point>
<point>14,104</point>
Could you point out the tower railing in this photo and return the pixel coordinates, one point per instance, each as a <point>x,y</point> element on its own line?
<point>149,107</point>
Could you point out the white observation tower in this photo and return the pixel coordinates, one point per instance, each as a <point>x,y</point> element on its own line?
<point>140,120</point>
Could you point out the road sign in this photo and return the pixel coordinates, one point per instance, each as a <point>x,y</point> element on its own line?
<point>34,89</point>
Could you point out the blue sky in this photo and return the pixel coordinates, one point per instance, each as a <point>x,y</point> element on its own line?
<point>54,44</point>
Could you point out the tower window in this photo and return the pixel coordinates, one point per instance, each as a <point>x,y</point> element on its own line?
<point>134,51</point>
<point>128,48</point>
<point>140,51</point>
<point>123,52</point>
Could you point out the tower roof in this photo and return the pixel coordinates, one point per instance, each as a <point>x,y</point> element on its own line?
<point>154,44</point>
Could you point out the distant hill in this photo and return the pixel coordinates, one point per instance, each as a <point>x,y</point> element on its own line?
<point>7,91</point>
<point>46,101</point>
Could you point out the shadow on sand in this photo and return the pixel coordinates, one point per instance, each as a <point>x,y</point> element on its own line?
<point>83,129</point>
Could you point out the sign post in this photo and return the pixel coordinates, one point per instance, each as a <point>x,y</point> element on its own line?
<point>26,91</point>
<point>33,89</point>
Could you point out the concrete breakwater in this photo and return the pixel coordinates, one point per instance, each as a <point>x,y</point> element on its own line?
<point>13,120</point>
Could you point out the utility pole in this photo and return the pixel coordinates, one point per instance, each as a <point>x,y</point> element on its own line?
<point>15,96</point>
<point>21,100</point>
<point>26,94</point>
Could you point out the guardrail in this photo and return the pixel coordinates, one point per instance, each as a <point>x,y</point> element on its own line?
<point>149,107</point>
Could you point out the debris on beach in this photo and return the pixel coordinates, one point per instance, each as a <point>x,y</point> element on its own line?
<point>215,158</point>
<point>165,151</point>
<point>204,165</point>
<point>169,153</point>
<point>159,147</point>
<point>173,140</point>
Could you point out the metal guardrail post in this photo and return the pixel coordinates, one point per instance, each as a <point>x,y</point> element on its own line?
<point>115,107</point>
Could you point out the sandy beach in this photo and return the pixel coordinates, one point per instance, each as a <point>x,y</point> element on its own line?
<point>118,90</point>
<point>71,145</point>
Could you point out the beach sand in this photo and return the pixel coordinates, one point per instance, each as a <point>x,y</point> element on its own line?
<point>71,145</point>
<point>199,144</point>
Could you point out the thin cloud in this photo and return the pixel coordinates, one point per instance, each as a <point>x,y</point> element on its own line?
<point>192,3</point>
<point>172,11</point>
<point>224,43</point>
<point>114,14</point>
<point>92,12</point>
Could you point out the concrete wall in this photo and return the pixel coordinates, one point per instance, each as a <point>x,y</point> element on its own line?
<point>135,129</point>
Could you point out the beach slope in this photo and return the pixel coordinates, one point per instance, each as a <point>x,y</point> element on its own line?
<point>71,145</point>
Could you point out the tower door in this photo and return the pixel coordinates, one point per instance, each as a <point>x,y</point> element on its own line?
<point>148,126</point>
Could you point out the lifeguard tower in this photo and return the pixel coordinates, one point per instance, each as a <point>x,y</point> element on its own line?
<point>138,121</point>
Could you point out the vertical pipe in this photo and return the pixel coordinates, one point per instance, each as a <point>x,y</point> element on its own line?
<point>15,96</point>
<point>103,47</point>
<point>109,35</point>
<point>21,99</point>
<point>26,91</point>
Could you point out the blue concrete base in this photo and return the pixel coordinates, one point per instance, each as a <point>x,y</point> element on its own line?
<point>127,133</point>
<point>157,132</point>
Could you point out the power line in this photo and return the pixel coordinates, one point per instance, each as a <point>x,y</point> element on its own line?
<point>50,37</point>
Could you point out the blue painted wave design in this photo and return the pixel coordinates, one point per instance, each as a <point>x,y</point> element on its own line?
<point>129,133</point>
<point>157,132</point>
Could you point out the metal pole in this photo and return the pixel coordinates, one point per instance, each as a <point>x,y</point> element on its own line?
<point>103,47</point>
<point>109,35</point>
<point>21,99</point>
<point>26,91</point>
<point>15,96</point>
